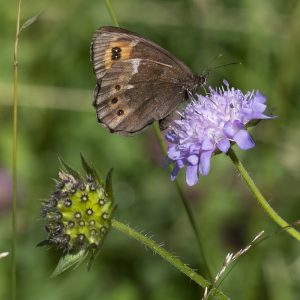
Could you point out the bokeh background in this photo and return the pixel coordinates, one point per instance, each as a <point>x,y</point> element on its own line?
<point>56,117</point>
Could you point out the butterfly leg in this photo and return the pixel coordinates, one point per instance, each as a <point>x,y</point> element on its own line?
<point>165,122</point>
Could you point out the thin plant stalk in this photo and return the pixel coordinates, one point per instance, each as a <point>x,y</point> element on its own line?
<point>174,261</point>
<point>185,204</point>
<point>111,12</point>
<point>178,186</point>
<point>14,158</point>
<point>260,198</point>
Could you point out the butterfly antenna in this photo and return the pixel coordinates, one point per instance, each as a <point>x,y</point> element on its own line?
<point>207,71</point>
<point>207,68</point>
<point>225,65</point>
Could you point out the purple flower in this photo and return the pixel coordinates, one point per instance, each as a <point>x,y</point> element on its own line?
<point>211,123</point>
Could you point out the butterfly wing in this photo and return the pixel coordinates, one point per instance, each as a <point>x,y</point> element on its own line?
<point>138,82</point>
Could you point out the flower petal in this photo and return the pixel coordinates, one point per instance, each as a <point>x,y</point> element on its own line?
<point>224,145</point>
<point>244,140</point>
<point>174,153</point>
<point>193,159</point>
<point>259,98</point>
<point>207,145</point>
<point>192,175</point>
<point>204,165</point>
<point>232,128</point>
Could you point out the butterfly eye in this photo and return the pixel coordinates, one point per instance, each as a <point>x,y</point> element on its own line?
<point>120,112</point>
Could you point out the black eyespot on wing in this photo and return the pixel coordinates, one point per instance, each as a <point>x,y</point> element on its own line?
<point>116,50</point>
<point>116,53</point>
<point>114,100</point>
<point>116,56</point>
<point>120,112</point>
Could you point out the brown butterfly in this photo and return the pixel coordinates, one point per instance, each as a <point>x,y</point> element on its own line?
<point>138,82</point>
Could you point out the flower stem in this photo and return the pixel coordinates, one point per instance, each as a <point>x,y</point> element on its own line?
<point>14,159</point>
<point>176,262</point>
<point>260,198</point>
<point>111,12</point>
<point>164,151</point>
<point>185,204</point>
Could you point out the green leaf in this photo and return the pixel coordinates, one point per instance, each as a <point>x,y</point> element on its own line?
<point>71,171</point>
<point>108,185</point>
<point>69,260</point>
<point>90,170</point>
<point>30,21</point>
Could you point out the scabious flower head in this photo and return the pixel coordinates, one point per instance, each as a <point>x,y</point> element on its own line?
<point>78,213</point>
<point>210,124</point>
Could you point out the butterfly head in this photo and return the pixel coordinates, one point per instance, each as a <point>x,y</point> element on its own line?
<point>199,80</point>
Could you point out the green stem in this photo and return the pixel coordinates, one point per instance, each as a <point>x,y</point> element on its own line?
<point>260,198</point>
<point>174,261</point>
<point>111,12</point>
<point>164,151</point>
<point>185,203</point>
<point>14,159</point>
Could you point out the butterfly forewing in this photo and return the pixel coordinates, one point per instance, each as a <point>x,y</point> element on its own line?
<point>138,82</point>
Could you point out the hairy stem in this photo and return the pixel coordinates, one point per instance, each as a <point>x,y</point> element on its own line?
<point>174,261</point>
<point>260,198</point>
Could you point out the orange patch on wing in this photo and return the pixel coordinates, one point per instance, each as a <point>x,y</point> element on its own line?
<point>126,50</point>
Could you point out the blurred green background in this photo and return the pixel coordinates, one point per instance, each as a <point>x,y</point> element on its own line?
<point>56,117</point>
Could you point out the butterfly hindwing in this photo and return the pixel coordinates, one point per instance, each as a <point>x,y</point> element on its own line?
<point>130,103</point>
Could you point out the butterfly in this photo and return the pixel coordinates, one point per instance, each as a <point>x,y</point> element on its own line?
<point>138,82</point>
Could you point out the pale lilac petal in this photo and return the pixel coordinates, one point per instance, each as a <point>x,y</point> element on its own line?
<point>174,153</point>
<point>259,116</point>
<point>180,163</point>
<point>224,145</point>
<point>204,165</point>
<point>193,159</point>
<point>244,140</point>
<point>191,175</point>
<point>193,148</point>
<point>207,145</point>
<point>259,98</point>
<point>231,128</point>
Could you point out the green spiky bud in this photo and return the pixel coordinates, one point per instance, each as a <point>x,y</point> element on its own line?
<point>78,213</point>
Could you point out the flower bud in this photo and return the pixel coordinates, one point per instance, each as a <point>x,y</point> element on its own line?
<point>78,213</point>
